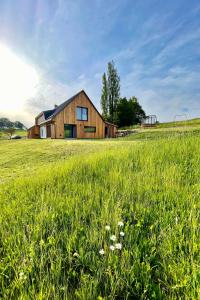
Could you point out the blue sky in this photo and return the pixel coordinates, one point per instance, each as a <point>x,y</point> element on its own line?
<point>154,44</point>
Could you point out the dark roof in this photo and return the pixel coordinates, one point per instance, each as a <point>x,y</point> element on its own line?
<point>64,104</point>
<point>110,123</point>
<point>48,113</point>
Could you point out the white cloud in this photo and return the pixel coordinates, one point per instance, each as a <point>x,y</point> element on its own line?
<point>51,92</point>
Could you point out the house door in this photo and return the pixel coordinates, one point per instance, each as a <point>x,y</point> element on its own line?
<point>43,132</point>
<point>69,131</point>
<point>106,131</point>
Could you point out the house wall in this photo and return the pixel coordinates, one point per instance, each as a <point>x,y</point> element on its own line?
<point>33,132</point>
<point>39,119</point>
<point>68,116</point>
<point>111,131</point>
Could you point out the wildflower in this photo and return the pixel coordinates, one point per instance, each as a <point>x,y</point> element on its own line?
<point>118,246</point>
<point>120,224</point>
<point>107,227</point>
<point>76,254</point>
<point>112,248</point>
<point>22,276</point>
<point>101,252</point>
<point>121,233</point>
<point>113,238</point>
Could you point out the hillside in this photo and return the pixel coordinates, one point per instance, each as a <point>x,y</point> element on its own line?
<point>173,124</point>
<point>56,198</point>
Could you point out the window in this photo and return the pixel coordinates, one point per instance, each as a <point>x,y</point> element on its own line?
<point>82,113</point>
<point>89,129</point>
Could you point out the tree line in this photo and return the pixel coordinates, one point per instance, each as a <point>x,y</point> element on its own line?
<point>121,111</point>
<point>6,123</point>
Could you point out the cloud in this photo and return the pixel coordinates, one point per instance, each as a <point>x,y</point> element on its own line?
<point>51,92</point>
<point>155,48</point>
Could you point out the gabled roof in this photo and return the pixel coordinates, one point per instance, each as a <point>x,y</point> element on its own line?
<point>50,114</point>
<point>64,104</point>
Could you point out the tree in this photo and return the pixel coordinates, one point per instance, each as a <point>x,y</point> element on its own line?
<point>9,131</point>
<point>124,113</point>
<point>110,93</point>
<point>18,125</point>
<point>104,97</point>
<point>137,110</point>
<point>5,122</point>
<point>113,91</point>
<point>129,112</point>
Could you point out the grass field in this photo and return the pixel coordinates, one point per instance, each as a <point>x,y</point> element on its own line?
<point>175,124</point>
<point>56,197</point>
<point>3,136</point>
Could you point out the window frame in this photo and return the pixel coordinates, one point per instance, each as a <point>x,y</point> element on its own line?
<point>81,107</point>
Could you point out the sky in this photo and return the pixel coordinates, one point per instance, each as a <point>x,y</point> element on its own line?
<point>51,49</point>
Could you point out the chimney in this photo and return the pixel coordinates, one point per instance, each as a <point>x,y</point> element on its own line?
<point>55,105</point>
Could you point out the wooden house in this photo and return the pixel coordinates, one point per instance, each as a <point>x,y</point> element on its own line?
<point>75,118</point>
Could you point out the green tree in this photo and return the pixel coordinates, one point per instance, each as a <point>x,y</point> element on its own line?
<point>113,91</point>
<point>104,97</point>
<point>129,112</point>
<point>18,125</point>
<point>136,110</point>
<point>9,132</point>
<point>5,122</point>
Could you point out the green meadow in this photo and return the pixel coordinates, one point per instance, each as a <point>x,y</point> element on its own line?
<point>57,197</point>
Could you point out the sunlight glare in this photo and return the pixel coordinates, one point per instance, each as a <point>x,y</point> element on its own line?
<point>18,81</point>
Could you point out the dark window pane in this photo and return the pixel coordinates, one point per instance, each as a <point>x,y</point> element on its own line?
<point>89,129</point>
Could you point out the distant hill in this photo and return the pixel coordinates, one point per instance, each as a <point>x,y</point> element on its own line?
<point>6,123</point>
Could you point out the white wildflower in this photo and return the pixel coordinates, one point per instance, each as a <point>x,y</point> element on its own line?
<point>101,252</point>
<point>120,224</point>
<point>118,246</point>
<point>107,227</point>
<point>113,238</point>
<point>76,254</point>
<point>22,276</point>
<point>112,248</point>
<point>122,233</point>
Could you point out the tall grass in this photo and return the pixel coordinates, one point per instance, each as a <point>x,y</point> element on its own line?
<point>53,226</point>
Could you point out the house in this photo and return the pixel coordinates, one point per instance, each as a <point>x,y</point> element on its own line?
<point>75,118</point>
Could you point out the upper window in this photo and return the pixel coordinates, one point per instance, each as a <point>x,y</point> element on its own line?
<point>82,113</point>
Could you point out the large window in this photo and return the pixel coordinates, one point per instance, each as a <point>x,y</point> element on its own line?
<point>82,113</point>
<point>89,129</point>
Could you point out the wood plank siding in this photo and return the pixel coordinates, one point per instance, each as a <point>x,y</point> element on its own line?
<point>77,117</point>
<point>68,116</point>
<point>33,132</point>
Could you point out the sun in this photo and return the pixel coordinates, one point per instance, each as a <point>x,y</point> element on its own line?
<point>18,81</point>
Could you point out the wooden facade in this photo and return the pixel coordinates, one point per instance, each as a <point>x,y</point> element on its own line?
<point>64,121</point>
<point>34,132</point>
